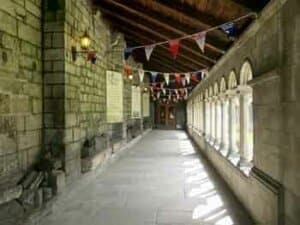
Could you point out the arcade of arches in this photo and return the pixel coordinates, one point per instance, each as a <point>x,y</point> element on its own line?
<point>97,126</point>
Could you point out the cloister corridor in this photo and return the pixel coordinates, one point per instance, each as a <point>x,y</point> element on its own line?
<point>161,180</point>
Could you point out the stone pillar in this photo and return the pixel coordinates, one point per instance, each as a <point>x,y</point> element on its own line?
<point>225,127</point>
<point>233,153</point>
<point>245,156</point>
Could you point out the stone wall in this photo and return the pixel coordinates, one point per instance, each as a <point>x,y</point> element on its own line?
<point>51,105</point>
<point>75,91</point>
<point>20,88</point>
<point>271,44</point>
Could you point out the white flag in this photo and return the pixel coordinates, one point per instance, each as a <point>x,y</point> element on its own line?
<point>141,75</point>
<point>188,78</point>
<point>167,78</point>
<point>200,39</point>
<point>148,51</point>
<point>158,94</point>
<point>183,81</point>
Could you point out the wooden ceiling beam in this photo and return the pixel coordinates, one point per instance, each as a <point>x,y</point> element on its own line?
<point>158,23</point>
<point>161,36</point>
<point>175,14</point>
<point>137,36</point>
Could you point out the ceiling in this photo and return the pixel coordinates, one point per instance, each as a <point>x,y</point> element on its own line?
<point>149,21</point>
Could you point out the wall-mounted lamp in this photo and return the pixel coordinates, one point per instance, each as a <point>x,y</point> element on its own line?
<point>85,42</point>
<point>130,76</point>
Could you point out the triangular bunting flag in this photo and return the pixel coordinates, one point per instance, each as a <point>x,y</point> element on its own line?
<point>153,75</point>
<point>148,51</point>
<point>183,81</point>
<point>194,77</point>
<point>174,47</point>
<point>200,40</point>
<point>127,53</point>
<point>141,75</point>
<point>188,78</point>
<point>127,70</point>
<point>177,77</point>
<point>167,78</point>
<point>158,94</point>
<point>228,28</point>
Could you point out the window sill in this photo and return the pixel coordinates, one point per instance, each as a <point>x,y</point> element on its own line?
<point>234,160</point>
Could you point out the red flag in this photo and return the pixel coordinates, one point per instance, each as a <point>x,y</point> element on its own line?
<point>127,70</point>
<point>178,77</point>
<point>194,77</point>
<point>174,47</point>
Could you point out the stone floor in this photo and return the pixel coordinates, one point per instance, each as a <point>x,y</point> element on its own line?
<point>159,181</point>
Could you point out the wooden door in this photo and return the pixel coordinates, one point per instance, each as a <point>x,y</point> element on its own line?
<point>166,116</point>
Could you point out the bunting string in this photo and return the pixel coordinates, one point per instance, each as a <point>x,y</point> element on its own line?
<point>221,26</point>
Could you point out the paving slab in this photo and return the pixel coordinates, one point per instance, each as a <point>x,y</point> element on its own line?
<point>161,180</point>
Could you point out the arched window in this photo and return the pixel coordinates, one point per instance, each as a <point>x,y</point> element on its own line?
<point>247,113</point>
<point>207,115</point>
<point>234,106</point>
<point>201,114</point>
<point>212,115</point>
<point>218,116</point>
<point>225,117</point>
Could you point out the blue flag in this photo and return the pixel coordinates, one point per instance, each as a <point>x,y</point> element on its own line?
<point>153,76</point>
<point>127,53</point>
<point>228,28</point>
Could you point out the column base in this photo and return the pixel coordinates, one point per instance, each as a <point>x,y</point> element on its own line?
<point>234,157</point>
<point>244,163</point>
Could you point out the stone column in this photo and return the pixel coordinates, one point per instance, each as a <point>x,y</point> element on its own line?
<point>245,157</point>
<point>225,119</point>
<point>207,120</point>
<point>233,149</point>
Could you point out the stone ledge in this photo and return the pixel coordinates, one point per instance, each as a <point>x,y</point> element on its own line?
<point>93,162</point>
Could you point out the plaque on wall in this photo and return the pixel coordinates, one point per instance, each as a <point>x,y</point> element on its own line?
<point>114,97</point>
<point>136,104</point>
<point>146,105</point>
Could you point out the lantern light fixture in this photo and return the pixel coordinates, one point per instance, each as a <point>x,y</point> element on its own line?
<point>85,42</point>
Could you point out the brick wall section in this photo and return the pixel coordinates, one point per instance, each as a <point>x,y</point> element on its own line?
<point>20,88</point>
<point>75,91</point>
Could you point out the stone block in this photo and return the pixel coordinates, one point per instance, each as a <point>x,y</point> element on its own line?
<point>4,103</point>
<point>10,194</point>
<point>29,139</point>
<point>58,40</point>
<point>33,8</point>
<point>54,78</point>
<point>47,193</point>
<point>54,54</point>
<point>33,122</point>
<point>30,34</point>
<point>8,23</point>
<point>38,198</point>
<point>11,213</point>
<point>58,181</point>
<point>20,104</point>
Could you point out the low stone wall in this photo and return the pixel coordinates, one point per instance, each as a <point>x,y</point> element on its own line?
<point>260,195</point>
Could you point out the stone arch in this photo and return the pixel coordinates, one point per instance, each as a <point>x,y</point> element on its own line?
<point>223,85</point>
<point>216,88</point>
<point>206,93</point>
<point>232,82</point>
<point>211,91</point>
<point>246,73</point>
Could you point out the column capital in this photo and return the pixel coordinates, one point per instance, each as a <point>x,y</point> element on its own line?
<point>244,89</point>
